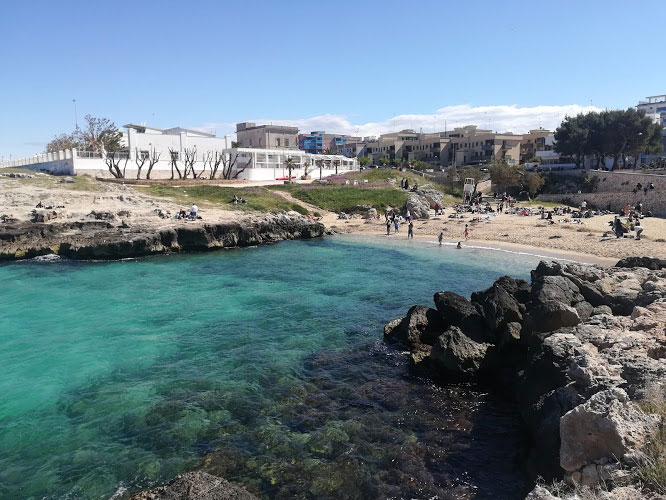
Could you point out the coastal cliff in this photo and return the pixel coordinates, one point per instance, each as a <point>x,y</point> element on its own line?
<point>106,239</point>
<point>580,349</point>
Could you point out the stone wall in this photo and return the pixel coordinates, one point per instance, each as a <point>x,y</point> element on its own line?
<point>655,201</point>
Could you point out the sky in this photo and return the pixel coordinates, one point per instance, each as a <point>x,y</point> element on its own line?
<point>355,67</point>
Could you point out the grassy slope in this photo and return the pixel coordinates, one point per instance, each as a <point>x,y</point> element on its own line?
<point>344,198</point>
<point>653,471</point>
<point>258,198</point>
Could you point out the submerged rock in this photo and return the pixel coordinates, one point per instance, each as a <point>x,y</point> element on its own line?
<point>196,486</point>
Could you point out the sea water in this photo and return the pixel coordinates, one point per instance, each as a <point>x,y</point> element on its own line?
<point>263,365</point>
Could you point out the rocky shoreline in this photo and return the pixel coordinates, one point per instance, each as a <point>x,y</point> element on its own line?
<point>105,239</point>
<point>577,349</point>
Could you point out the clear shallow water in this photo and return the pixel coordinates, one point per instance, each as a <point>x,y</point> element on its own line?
<point>264,365</point>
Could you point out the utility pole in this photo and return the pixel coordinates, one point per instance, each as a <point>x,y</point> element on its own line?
<point>76,118</point>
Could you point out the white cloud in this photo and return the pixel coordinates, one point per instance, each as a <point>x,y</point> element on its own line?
<point>500,118</point>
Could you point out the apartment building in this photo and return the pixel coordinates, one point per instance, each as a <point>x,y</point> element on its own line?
<point>473,146</point>
<point>535,141</point>
<point>655,107</point>
<point>250,135</point>
<point>406,145</point>
<point>319,142</point>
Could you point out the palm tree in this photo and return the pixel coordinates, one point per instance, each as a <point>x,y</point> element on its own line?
<point>320,163</point>
<point>306,166</point>
<point>336,164</point>
<point>290,166</point>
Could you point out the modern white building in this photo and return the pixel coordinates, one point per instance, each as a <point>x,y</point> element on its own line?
<point>246,163</point>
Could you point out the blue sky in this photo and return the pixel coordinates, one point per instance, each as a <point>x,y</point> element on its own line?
<point>343,66</point>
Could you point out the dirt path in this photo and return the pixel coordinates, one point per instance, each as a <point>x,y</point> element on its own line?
<point>312,208</point>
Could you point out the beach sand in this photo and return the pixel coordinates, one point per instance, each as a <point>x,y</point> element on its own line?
<point>584,242</point>
<point>581,242</point>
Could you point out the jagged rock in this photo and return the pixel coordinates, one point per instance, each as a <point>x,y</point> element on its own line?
<point>459,356</point>
<point>651,263</point>
<point>601,310</point>
<point>540,493</point>
<point>196,486</point>
<point>498,307</point>
<point>608,425</point>
<point>549,316</point>
<point>458,311</point>
<point>510,335</point>
<point>555,288</point>
<point>417,206</point>
<point>101,215</point>
<point>422,325</point>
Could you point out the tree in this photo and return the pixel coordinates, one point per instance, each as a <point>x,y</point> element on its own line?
<point>100,135</point>
<point>153,158</point>
<point>420,165</point>
<point>533,182</point>
<point>472,173</point>
<point>336,164</point>
<point>173,160</point>
<point>572,138</point>
<point>140,159</point>
<point>504,176</point>
<point>289,162</point>
<point>320,163</point>
<point>62,142</point>
<point>384,161</point>
<point>112,161</point>
<point>190,160</point>
<point>306,167</point>
<point>364,161</point>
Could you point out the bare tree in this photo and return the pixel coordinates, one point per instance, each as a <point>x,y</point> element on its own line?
<point>140,160</point>
<point>306,167</point>
<point>228,164</point>
<point>112,161</point>
<point>214,162</point>
<point>153,158</point>
<point>190,160</point>
<point>99,135</point>
<point>241,170</point>
<point>62,142</point>
<point>174,163</point>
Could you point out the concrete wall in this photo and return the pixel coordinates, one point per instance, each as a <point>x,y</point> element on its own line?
<point>653,201</point>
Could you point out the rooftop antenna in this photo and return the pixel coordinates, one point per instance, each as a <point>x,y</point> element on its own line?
<point>76,117</point>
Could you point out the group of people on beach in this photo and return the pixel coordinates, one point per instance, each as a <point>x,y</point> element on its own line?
<point>404,184</point>
<point>193,215</point>
<point>393,219</point>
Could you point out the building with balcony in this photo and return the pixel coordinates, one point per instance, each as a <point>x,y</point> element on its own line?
<point>470,145</point>
<point>319,142</point>
<point>251,135</point>
<point>655,107</point>
<point>536,141</point>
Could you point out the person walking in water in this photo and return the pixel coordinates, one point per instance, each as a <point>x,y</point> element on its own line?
<point>441,237</point>
<point>410,230</point>
<point>466,231</point>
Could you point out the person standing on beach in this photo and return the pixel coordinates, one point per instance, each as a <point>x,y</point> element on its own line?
<point>388,226</point>
<point>466,231</point>
<point>441,237</point>
<point>410,230</point>
<point>396,224</point>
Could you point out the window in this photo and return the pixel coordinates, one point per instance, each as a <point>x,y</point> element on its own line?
<point>286,143</point>
<point>277,142</point>
<point>143,154</point>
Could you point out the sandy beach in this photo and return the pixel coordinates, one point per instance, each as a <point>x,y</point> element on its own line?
<point>589,241</point>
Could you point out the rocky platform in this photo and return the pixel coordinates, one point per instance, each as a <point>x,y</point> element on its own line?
<point>108,239</point>
<point>576,349</point>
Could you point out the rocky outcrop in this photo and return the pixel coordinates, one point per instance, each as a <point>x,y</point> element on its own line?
<point>575,349</point>
<point>196,486</point>
<point>417,206</point>
<point>102,239</point>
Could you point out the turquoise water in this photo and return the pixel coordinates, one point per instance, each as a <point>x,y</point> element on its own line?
<point>264,365</point>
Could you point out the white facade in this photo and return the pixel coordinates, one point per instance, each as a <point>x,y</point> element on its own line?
<point>250,164</point>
